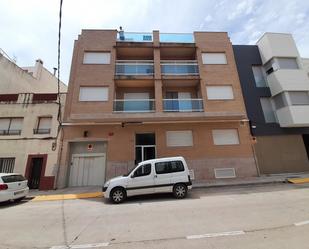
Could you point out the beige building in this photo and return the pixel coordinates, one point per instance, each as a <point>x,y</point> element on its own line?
<point>29,138</point>
<point>137,96</point>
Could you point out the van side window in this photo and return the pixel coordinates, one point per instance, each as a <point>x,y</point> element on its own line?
<point>169,167</point>
<point>143,170</point>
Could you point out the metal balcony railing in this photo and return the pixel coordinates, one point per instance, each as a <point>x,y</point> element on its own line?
<point>134,37</point>
<point>131,67</point>
<point>10,132</point>
<point>134,105</point>
<point>179,67</point>
<point>177,37</point>
<point>41,131</point>
<point>183,105</point>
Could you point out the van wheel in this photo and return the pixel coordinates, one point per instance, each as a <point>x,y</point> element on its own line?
<point>180,191</point>
<point>118,195</point>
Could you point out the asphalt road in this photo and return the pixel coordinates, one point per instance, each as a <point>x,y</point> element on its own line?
<point>268,216</point>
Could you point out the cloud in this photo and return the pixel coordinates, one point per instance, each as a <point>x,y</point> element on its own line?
<point>29,28</point>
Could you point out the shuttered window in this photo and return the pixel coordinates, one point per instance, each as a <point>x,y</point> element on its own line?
<point>44,125</point>
<point>179,138</point>
<point>219,92</point>
<point>93,94</point>
<point>97,58</point>
<point>214,58</point>
<point>10,126</point>
<point>225,137</point>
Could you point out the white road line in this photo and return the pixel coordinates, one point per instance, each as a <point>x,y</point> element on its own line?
<point>212,235</point>
<point>301,223</point>
<point>85,246</point>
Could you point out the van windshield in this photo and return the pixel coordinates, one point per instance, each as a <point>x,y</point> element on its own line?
<point>131,170</point>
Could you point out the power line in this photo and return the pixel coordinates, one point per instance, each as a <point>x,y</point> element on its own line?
<point>58,73</point>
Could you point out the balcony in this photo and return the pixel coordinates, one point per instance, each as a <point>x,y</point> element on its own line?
<point>41,131</point>
<point>176,38</point>
<point>179,67</point>
<point>183,105</point>
<point>134,37</point>
<point>10,132</point>
<point>293,116</point>
<point>134,105</point>
<point>134,68</point>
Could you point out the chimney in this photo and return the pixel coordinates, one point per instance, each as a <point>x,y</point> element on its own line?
<point>55,70</point>
<point>38,69</point>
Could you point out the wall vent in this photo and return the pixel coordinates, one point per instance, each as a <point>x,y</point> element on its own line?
<point>225,173</point>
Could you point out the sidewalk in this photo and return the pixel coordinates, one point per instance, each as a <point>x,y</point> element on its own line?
<point>96,191</point>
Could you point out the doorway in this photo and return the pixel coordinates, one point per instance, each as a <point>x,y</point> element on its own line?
<point>145,147</point>
<point>306,143</point>
<point>36,169</point>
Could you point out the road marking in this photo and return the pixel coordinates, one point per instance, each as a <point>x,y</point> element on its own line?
<point>301,223</point>
<point>67,196</point>
<point>85,246</point>
<point>212,235</point>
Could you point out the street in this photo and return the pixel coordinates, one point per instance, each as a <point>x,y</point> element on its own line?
<point>261,216</point>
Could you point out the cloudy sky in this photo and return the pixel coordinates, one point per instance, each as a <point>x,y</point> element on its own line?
<point>28,29</point>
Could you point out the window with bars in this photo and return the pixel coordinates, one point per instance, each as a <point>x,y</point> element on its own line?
<point>7,164</point>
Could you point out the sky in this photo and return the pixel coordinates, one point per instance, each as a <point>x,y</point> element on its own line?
<point>29,29</point>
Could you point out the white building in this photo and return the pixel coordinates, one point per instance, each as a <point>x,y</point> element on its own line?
<point>29,136</point>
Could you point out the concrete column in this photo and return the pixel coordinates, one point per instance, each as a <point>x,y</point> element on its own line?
<point>158,95</point>
<point>157,71</point>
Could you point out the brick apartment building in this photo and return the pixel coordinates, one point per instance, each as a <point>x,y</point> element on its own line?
<point>137,96</point>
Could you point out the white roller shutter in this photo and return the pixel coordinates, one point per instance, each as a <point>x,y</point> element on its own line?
<point>93,94</point>
<point>214,58</point>
<point>225,136</point>
<point>97,58</point>
<point>219,92</point>
<point>179,138</point>
<point>45,123</point>
<point>16,124</point>
<point>4,123</point>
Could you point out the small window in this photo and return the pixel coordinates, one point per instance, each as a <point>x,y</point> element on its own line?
<point>7,165</point>
<point>220,92</point>
<point>179,138</point>
<point>214,58</point>
<point>93,94</point>
<point>269,114</point>
<point>44,125</point>
<point>169,167</point>
<point>299,98</point>
<point>143,170</point>
<point>10,126</point>
<point>225,137</point>
<point>97,58</point>
<point>287,63</point>
<point>259,76</point>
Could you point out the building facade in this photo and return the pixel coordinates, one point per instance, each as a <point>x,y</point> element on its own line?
<point>29,134</point>
<point>275,84</point>
<point>137,96</point>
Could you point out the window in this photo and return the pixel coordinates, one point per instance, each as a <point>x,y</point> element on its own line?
<point>143,170</point>
<point>13,178</point>
<point>179,138</point>
<point>10,126</point>
<point>169,167</point>
<point>280,100</point>
<point>287,63</point>
<point>93,93</point>
<point>269,114</point>
<point>259,76</point>
<point>225,137</point>
<point>219,92</point>
<point>7,165</point>
<point>97,58</point>
<point>214,58</point>
<point>299,98</point>
<point>44,125</point>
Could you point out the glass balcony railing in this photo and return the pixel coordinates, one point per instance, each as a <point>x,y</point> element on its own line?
<point>134,37</point>
<point>130,67</point>
<point>179,68</point>
<point>134,105</point>
<point>183,105</point>
<point>177,38</point>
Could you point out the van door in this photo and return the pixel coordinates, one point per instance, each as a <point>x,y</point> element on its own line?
<point>162,177</point>
<point>141,181</point>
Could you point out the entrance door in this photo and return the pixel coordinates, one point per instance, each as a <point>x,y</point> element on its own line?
<point>145,147</point>
<point>87,170</point>
<point>35,172</point>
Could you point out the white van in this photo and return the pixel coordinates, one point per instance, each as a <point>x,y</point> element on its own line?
<point>162,175</point>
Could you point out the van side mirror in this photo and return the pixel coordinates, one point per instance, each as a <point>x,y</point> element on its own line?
<point>132,176</point>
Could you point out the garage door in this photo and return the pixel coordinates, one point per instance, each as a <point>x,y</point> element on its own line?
<point>87,170</point>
